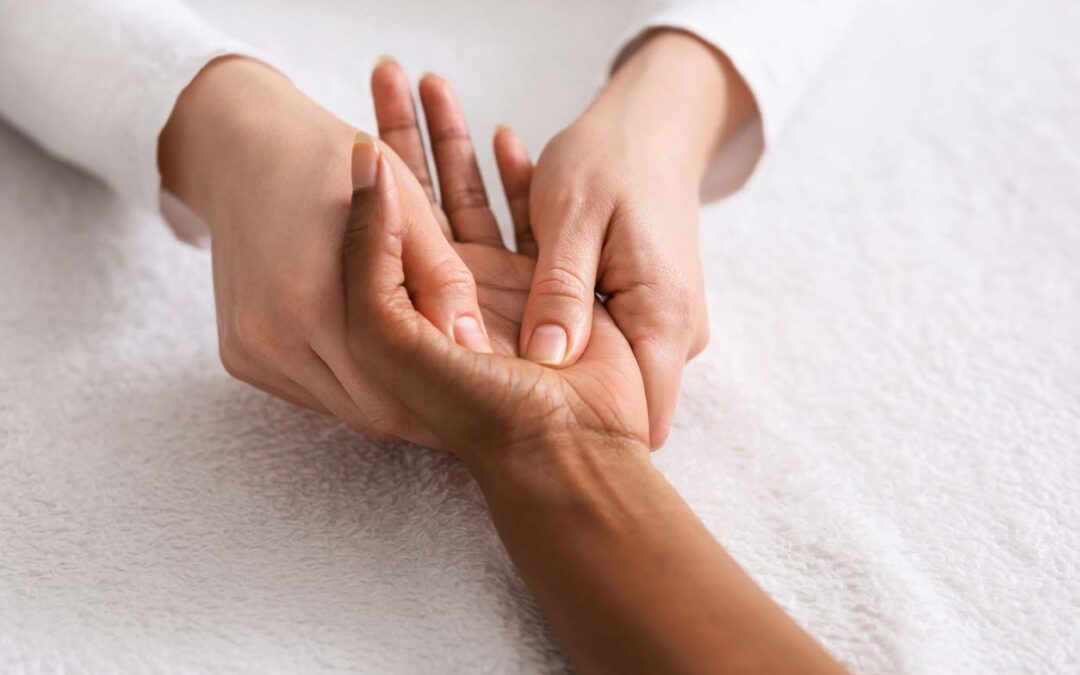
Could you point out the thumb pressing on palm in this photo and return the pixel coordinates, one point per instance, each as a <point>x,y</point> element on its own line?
<point>439,384</point>
<point>439,284</point>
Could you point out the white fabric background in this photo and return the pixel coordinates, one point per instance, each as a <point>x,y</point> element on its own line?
<point>884,430</point>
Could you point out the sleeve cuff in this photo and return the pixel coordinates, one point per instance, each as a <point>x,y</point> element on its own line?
<point>775,49</point>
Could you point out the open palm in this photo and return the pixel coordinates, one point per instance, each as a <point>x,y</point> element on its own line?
<point>502,277</point>
<point>487,397</point>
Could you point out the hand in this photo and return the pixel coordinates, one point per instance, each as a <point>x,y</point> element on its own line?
<point>614,208</point>
<point>560,455</point>
<point>502,277</point>
<point>269,171</point>
<point>499,413</point>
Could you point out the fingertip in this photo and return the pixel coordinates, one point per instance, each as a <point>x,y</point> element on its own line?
<point>658,434</point>
<point>548,345</point>
<point>563,292</point>
<point>386,71</point>
<point>554,343</point>
<point>385,60</point>
<point>509,148</point>
<point>469,333</point>
<point>365,161</point>
<point>429,79</point>
<point>503,135</point>
<point>434,88</point>
<point>662,375</point>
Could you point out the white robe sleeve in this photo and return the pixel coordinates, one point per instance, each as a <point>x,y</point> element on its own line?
<point>775,45</point>
<point>94,81</point>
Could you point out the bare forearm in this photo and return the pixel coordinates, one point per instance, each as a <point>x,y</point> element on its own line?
<point>630,578</point>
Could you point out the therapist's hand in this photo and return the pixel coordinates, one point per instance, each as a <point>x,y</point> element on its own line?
<point>614,209</point>
<point>270,171</point>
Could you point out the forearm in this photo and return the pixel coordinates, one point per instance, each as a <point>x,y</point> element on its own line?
<point>676,97</point>
<point>630,578</point>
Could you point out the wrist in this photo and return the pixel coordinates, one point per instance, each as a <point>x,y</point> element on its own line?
<point>559,466</point>
<point>228,127</point>
<point>676,98</point>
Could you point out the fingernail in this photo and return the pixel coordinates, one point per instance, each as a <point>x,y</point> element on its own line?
<point>547,345</point>
<point>468,334</point>
<point>365,161</point>
<point>384,58</point>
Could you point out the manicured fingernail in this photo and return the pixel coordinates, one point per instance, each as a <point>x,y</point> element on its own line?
<point>365,161</point>
<point>547,345</point>
<point>384,58</point>
<point>468,334</point>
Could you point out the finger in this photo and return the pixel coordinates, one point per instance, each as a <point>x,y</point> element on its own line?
<point>558,314</point>
<point>351,395</point>
<point>395,114</point>
<point>661,362</point>
<point>402,353</point>
<point>460,184</point>
<point>359,405</point>
<point>290,392</point>
<point>399,128</point>
<point>515,170</point>
<point>661,328</point>
<point>245,369</point>
<point>700,338</point>
<point>390,258</point>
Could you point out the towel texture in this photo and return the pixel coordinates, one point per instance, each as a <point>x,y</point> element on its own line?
<point>885,430</point>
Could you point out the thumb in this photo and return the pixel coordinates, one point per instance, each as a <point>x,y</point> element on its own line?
<point>372,248</point>
<point>439,285</point>
<point>558,314</point>
<point>407,358</point>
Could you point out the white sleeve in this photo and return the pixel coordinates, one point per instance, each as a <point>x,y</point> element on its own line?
<point>775,45</point>
<point>94,81</point>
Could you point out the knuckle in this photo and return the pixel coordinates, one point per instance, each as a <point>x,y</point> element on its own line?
<point>463,197</point>
<point>560,281</point>
<point>451,277</point>
<point>678,307</point>
<point>356,341</point>
<point>380,420</point>
<point>700,341</point>
<point>298,302</point>
<point>255,336</point>
<point>681,299</point>
<point>232,363</point>
<point>560,210</point>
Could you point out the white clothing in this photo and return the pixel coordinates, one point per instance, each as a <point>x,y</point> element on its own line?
<point>94,81</point>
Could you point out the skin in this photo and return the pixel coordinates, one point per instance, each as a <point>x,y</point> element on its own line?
<point>560,454</point>
<point>630,579</point>
<point>269,171</point>
<point>614,209</point>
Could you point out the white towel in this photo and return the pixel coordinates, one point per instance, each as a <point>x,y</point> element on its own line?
<point>884,431</point>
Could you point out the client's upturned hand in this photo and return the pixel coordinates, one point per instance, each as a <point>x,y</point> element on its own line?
<point>502,278</point>
<point>487,408</point>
